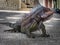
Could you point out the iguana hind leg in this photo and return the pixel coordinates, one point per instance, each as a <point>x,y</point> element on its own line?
<point>15,29</point>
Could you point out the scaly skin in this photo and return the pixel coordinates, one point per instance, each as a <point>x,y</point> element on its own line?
<point>34,22</point>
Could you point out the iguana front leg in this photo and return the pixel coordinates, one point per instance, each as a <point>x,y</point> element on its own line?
<point>42,27</point>
<point>29,34</point>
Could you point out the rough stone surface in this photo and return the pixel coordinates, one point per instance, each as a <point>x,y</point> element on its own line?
<point>52,27</point>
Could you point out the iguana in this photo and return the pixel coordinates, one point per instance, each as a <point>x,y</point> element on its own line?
<point>34,20</point>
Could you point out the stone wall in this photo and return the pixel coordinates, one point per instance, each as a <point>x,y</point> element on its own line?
<point>9,4</point>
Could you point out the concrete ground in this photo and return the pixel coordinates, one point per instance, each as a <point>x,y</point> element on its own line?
<point>8,38</point>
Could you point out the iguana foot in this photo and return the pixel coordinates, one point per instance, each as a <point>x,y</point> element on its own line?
<point>31,36</point>
<point>44,35</point>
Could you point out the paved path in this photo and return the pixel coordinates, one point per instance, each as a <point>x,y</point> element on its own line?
<point>52,27</point>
